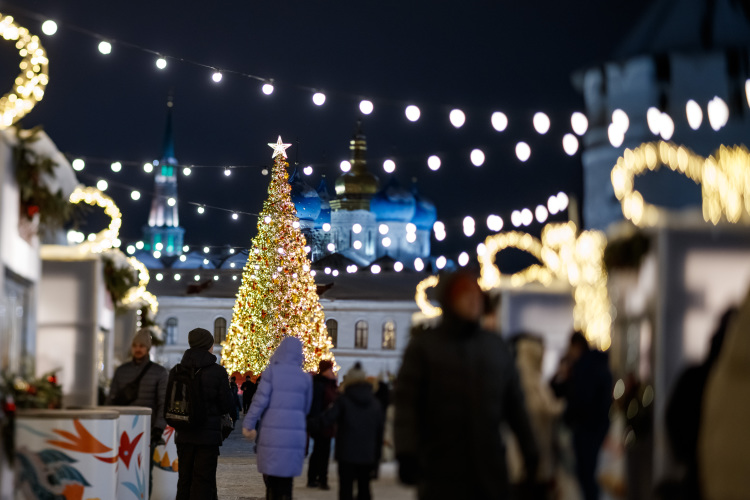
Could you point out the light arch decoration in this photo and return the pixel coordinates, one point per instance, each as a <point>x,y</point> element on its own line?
<point>28,86</point>
<point>724,178</point>
<point>105,238</point>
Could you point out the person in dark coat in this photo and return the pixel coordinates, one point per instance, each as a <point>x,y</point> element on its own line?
<point>198,449</point>
<point>281,404</point>
<point>588,393</point>
<point>683,414</point>
<point>248,390</point>
<point>359,438</point>
<point>236,405</point>
<point>152,389</point>
<point>325,391</point>
<point>456,385</point>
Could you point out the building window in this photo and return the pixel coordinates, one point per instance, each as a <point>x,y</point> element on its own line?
<point>333,331</point>
<point>389,335</point>
<point>360,335</point>
<point>171,331</point>
<point>220,330</point>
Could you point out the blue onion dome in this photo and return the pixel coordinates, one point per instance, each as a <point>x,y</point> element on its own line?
<point>304,197</point>
<point>393,203</point>
<point>425,214</point>
<point>325,204</point>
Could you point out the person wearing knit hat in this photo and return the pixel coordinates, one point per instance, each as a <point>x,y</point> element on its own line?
<point>198,446</point>
<point>325,392</point>
<point>141,382</point>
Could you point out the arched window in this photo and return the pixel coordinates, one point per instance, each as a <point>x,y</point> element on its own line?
<point>389,335</point>
<point>171,334</point>
<point>360,334</point>
<point>220,330</point>
<point>333,331</point>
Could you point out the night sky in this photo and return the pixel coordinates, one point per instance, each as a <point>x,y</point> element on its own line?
<point>479,56</point>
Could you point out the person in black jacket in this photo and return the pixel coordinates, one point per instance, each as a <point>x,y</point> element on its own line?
<point>248,390</point>
<point>325,392</point>
<point>456,385</point>
<point>198,449</point>
<point>359,436</point>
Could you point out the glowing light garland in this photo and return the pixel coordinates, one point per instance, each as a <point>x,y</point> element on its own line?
<point>138,295</point>
<point>278,295</point>
<point>29,85</point>
<point>421,299</point>
<point>106,237</point>
<point>724,178</point>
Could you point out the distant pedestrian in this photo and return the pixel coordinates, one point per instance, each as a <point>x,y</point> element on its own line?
<point>198,448</point>
<point>248,388</point>
<point>545,411</point>
<point>457,384</point>
<point>724,438</point>
<point>325,392</point>
<point>587,388</point>
<point>236,405</point>
<point>281,403</point>
<point>359,437</point>
<point>141,382</point>
<point>683,414</point>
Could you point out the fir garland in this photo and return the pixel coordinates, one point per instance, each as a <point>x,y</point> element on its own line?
<point>54,209</point>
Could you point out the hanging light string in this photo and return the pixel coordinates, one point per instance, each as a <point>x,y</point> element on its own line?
<point>457,117</point>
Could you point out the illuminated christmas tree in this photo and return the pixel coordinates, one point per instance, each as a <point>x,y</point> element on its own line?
<point>277,297</point>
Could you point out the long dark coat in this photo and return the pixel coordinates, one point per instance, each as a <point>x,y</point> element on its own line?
<point>457,384</point>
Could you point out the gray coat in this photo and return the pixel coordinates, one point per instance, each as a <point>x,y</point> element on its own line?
<point>152,390</point>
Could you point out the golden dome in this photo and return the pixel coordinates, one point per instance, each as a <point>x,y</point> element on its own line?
<point>355,188</point>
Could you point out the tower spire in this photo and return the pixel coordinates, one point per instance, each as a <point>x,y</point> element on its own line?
<point>167,150</point>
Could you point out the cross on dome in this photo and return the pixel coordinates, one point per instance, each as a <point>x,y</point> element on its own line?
<point>279,148</point>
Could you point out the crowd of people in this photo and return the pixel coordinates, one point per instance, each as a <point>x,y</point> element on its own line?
<point>470,415</point>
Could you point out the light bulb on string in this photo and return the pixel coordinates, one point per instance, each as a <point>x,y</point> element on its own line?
<point>386,242</point>
<point>477,157</point>
<point>135,195</point>
<point>562,200</point>
<point>515,218</point>
<point>308,170</point>
<point>398,266</point>
<point>433,162</point>
<point>235,215</point>
<point>185,248</point>
<point>469,225</point>
<point>389,166</point>
<point>440,262</point>
<point>666,126</point>
<point>227,172</point>
<point>49,27</point>
<point>186,171</point>
<point>78,164</point>
<point>366,107</point>
<point>216,76</point>
<point>541,123</point>
<point>116,166</point>
<point>694,114</point>
<point>171,202</point>
<point>523,151</point>
<point>526,217</point>
<point>418,264</point>
<point>541,213</point>
<point>105,47</point>
<point>267,88</point>
<point>499,121</point>
<point>148,168</point>
<point>201,209</point>
<point>620,120</point>
<point>579,123</point>
<point>463,259</point>
<point>345,166</point>
<point>319,98</point>
<point>616,135</point>
<point>653,119</point>
<point>570,144</point>
<point>718,113</point>
<point>412,113</point>
<point>457,118</point>
<point>161,63</point>
<point>494,223</point>
<point>553,205</point>
<point>102,185</point>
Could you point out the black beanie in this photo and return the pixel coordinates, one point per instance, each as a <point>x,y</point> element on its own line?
<point>200,338</point>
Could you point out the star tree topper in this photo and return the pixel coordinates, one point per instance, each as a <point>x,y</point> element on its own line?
<point>279,148</point>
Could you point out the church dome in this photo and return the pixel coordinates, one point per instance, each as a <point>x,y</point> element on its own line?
<point>425,214</point>
<point>393,203</point>
<point>305,198</point>
<point>325,204</point>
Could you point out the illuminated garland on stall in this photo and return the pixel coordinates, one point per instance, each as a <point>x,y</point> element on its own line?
<point>278,296</point>
<point>106,238</point>
<point>29,85</point>
<point>724,178</point>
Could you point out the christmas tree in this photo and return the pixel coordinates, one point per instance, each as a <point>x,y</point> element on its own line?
<point>278,297</point>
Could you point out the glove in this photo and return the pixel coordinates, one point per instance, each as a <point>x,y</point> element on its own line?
<point>408,469</point>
